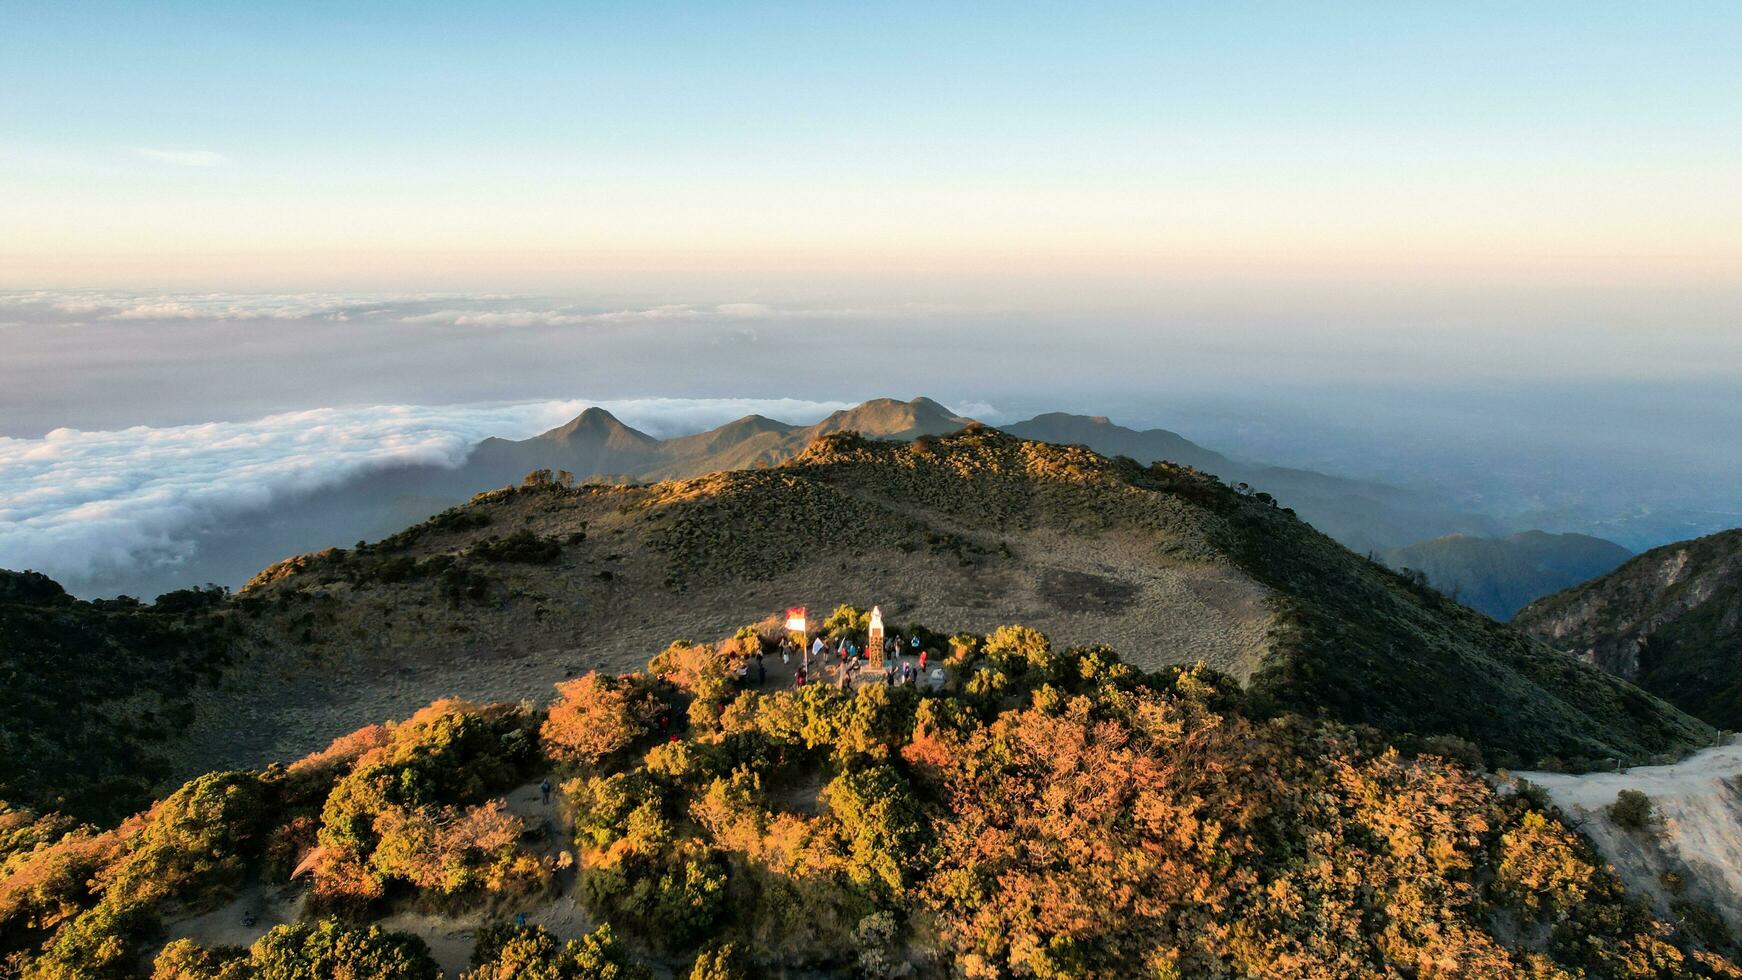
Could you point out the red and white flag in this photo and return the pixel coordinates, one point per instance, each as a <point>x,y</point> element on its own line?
<point>795,619</point>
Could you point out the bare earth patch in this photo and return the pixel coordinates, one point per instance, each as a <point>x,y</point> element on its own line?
<point>1698,802</point>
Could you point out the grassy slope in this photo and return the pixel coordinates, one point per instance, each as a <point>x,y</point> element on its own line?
<point>1366,646</point>
<point>1358,643</point>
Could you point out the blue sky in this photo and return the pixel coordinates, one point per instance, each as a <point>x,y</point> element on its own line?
<point>742,145</point>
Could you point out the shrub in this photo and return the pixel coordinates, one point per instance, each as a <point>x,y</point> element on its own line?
<point>1631,811</point>
<point>696,668</point>
<point>446,851</point>
<point>522,546</point>
<point>594,717</point>
<point>446,755</point>
<point>328,949</point>
<point>722,962</point>
<point>531,953</point>
<point>185,959</point>
<point>882,827</point>
<point>847,622</point>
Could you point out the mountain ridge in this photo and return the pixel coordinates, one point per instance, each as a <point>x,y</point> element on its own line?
<point>976,525</point>
<point>595,446</point>
<point>1669,619</point>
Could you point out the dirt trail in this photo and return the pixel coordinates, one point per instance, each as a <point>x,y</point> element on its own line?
<point>1698,832</point>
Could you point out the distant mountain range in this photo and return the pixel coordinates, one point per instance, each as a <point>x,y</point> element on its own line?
<point>595,446</point>
<point>1499,576</point>
<point>1670,620</point>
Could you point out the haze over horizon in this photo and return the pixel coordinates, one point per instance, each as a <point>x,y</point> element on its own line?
<point>1482,250</point>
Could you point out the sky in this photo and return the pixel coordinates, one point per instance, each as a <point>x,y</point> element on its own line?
<point>1492,249</point>
<point>1043,154</point>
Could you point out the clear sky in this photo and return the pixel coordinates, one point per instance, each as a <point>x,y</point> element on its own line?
<point>1070,153</point>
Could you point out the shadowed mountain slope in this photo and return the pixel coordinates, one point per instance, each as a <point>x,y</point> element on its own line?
<point>1499,576</point>
<point>1669,620</point>
<point>502,596</point>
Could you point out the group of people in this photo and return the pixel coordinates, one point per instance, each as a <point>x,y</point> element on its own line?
<point>904,661</point>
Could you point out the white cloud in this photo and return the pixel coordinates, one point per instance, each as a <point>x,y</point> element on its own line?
<point>459,310</point>
<point>570,316</point>
<point>183,158</point>
<point>84,306</point>
<point>80,505</point>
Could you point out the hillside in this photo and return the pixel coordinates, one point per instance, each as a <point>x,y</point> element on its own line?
<point>1499,576</point>
<point>91,691</point>
<point>1670,620</point>
<point>595,446</point>
<point>1362,515</point>
<point>520,587</point>
<point>1043,812</point>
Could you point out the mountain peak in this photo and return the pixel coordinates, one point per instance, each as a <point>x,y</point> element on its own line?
<point>596,423</point>
<point>887,418</point>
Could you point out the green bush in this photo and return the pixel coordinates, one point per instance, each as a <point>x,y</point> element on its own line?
<point>1631,810</point>
<point>531,953</point>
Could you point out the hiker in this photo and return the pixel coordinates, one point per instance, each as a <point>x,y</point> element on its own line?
<point>922,661</point>
<point>785,650</point>
<point>761,671</point>
<point>889,678</point>
<point>544,790</point>
<point>798,677</point>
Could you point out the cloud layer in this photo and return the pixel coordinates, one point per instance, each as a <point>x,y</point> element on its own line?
<point>74,307</point>
<point>87,505</point>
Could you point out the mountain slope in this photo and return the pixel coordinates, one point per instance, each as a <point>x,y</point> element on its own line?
<point>1363,515</point>
<point>1043,812</point>
<point>598,447</point>
<point>1670,620</point>
<point>1499,576</point>
<point>498,598</point>
<point>90,690</point>
<point>592,444</point>
<point>1100,434</point>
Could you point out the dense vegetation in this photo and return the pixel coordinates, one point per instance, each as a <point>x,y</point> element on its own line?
<point>1669,620</point>
<point>1050,813</point>
<point>87,689</point>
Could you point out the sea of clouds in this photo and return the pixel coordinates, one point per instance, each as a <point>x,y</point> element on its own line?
<point>110,306</point>
<point>82,505</point>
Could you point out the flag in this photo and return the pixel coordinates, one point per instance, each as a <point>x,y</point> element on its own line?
<point>795,619</point>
